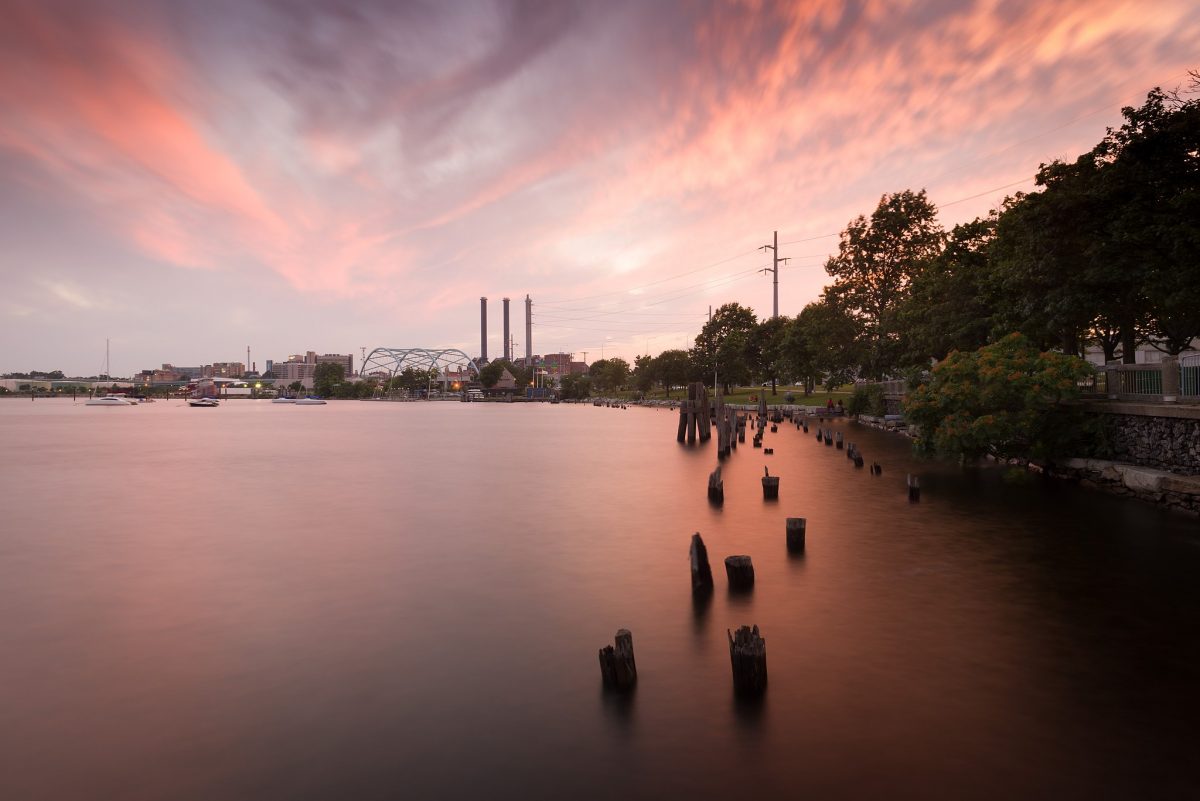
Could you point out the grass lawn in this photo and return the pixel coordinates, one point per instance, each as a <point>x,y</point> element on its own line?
<point>744,395</point>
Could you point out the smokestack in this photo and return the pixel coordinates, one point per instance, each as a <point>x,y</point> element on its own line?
<point>483,330</point>
<point>528,330</point>
<point>507,341</point>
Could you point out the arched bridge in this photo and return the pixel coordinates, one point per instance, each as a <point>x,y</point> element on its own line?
<point>394,360</point>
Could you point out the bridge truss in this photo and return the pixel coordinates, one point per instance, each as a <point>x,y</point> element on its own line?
<point>390,361</point>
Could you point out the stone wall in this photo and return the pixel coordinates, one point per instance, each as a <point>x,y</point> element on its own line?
<point>1170,443</point>
<point>1148,484</point>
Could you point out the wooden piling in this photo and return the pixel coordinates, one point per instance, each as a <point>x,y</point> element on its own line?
<point>837,438</point>
<point>748,655</point>
<point>770,485</point>
<point>617,667</point>
<point>795,534</point>
<point>914,488</point>
<point>716,487</point>
<point>876,469</point>
<point>702,577</point>
<point>739,570</point>
<point>828,437</point>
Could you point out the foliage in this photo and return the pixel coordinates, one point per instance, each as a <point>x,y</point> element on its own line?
<point>491,373</point>
<point>867,399</point>
<point>672,368</point>
<point>609,375</point>
<point>877,260</point>
<point>1003,400</point>
<point>722,343</point>
<point>326,376</point>
<point>644,373</point>
<point>575,387</point>
<point>413,379</point>
<point>764,351</point>
<point>820,345</point>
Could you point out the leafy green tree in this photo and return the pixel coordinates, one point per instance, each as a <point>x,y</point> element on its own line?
<point>949,305</point>
<point>491,373</point>
<point>673,368</point>
<point>608,375</point>
<point>764,351</point>
<point>326,375</point>
<point>877,259</point>
<point>645,373</point>
<point>296,386</point>
<point>821,345</point>
<point>1004,400</point>
<point>722,344</point>
<point>575,387</point>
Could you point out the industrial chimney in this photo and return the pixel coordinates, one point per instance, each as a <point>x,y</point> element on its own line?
<point>483,329</point>
<point>507,341</point>
<point>528,330</point>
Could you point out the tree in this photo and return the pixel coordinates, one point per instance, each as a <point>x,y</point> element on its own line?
<point>764,350</point>
<point>296,386</point>
<point>821,344</point>
<point>575,386</point>
<point>722,342</point>
<point>1003,400</point>
<point>949,305</point>
<point>644,373</point>
<point>326,375</point>
<point>609,375</point>
<point>876,262</point>
<point>491,373</point>
<point>673,368</point>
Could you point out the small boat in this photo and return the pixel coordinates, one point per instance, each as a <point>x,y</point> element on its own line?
<point>109,400</point>
<point>310,401</point>
<point>283,400</point>
<point>203,403</point>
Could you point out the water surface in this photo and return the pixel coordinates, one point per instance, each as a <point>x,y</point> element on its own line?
<point>371,600</point>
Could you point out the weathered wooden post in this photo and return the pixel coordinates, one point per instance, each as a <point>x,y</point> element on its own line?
<point>748,654</point>
<point>702,578</point>
<point>805,422</point>
<point>768,451</point>
<point>820,434</point>
<point>914,488</point>
<point>828,437</point>
<point>616,663</point>
<point>837,438</point>
<point>795,534</point>
<point>762,409</point>
<point>705,417</point>
<point>716,487</point>
<point>876,469</point>
<point>774,428</point>
<point>770,486</point>
<point>740,572</point>
<point>682,422</point>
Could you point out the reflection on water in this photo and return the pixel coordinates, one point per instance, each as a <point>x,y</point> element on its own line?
<point>405,600</point>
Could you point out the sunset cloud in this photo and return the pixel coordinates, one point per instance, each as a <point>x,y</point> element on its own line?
<point>404,158</point>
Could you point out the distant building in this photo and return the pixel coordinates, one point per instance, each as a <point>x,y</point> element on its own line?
<point>345,360</point>
<point>1145,353</point>
<point>223,370</point>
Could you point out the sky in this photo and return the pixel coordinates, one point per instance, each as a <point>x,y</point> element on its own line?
<point>190,178</point>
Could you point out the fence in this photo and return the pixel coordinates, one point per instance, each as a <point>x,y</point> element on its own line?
<point>1189,377</point>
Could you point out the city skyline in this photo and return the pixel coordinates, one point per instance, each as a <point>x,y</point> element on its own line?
<point>188,178</point>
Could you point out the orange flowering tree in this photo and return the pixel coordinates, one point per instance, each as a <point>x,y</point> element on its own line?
<point>1004,400</point>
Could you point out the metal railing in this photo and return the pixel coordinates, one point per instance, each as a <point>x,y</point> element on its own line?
<point>1189,376</point>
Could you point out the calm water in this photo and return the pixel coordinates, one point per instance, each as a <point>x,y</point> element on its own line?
<point>404,601</point>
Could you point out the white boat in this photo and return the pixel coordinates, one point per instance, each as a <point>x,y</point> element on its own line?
<point>310,401</point>
<point>283,400</point>
<point>109,400</point>
<point>203,403</point>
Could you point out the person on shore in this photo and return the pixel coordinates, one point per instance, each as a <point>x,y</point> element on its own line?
<point>841,408</point>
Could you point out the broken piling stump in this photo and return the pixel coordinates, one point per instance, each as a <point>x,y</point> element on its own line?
<point>795,534</point>
<point>617,667</point>
<point>837,438</point>
<point>914,488</point>
<point>770,485</point>
<point>748,655</point>
<point>702,578</point>
<point>739,570</point>
<point>716,487</point>
<point>876,469</point>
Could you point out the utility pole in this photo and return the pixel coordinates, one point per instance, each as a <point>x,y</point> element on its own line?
<point>774,269</point>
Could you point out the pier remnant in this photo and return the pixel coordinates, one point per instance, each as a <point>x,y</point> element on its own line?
<point>837,438</point>
<point>748,655</point>
<point>914,488</point>
<point>716,487</point>
<point>702,578</point>
<point>876,469</point>
<point>617,667</point>
<point>740,572</point>
<point>795,534</point>
<point>770,486</point>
